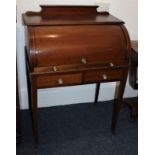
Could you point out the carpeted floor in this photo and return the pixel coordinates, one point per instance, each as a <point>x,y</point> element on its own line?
<point>79,129</point>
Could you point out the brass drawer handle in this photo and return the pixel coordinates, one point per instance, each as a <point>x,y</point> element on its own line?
<point>104,76</point>
<point>84,60</point>
<point>111,64</point>
<point>60,81</point>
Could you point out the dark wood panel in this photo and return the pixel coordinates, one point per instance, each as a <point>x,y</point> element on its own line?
<point>133,69</point>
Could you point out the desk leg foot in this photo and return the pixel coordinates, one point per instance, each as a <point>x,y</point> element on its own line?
<point>115,115</point>
<point>35,125</point>
<point>113,131</point>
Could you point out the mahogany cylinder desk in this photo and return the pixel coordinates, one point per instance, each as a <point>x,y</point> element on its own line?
<point>75,45</point>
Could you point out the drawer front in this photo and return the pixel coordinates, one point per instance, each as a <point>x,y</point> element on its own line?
<point>58,80</point>
<point>65,45</point>
<point>102,75</point>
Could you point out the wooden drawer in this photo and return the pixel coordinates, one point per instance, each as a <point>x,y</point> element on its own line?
<point>58,80</point>
<point>103,75</point>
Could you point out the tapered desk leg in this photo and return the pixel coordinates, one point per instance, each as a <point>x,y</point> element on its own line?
<point>34,110</point>
<point>29,90</point>
<point>97,93</point>
<point>117,105</point>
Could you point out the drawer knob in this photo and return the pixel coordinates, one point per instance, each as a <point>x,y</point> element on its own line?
<point>111,64</point>
<point>55,68</point>
<point>104,76</point>
<point>84,60</point>
<point>60,81</point>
